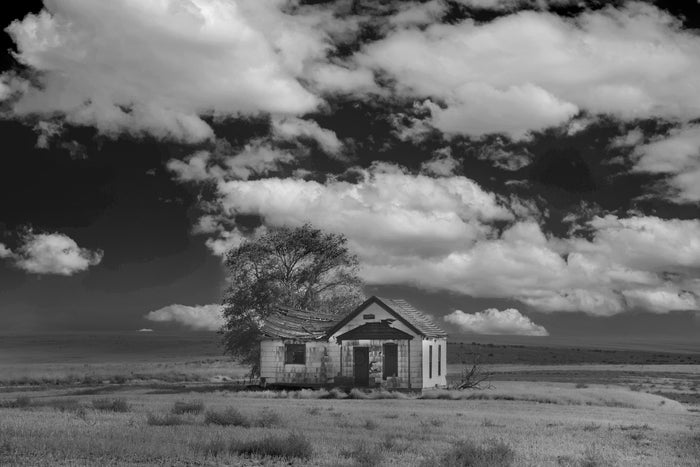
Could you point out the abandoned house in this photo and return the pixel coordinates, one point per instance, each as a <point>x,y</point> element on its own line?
<point>382,343</point>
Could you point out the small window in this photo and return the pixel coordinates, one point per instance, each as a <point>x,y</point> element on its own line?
<point>367,316</point>
<point>430,361</point>
<point>439,360</point>
<point>295,354</point>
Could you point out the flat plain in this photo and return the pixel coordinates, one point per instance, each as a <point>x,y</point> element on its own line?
<point>182,408</point>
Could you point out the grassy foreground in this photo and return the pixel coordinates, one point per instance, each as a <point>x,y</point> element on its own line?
<point>518,424</point>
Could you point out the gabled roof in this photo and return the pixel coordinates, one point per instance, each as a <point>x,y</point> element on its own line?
<point>401,310</point>
<point>374,331</point>
<point>288,323</point>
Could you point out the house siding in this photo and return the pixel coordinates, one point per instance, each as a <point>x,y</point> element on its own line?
<point>320,368</point>
<point>435,380</point>
<point>376,362</point>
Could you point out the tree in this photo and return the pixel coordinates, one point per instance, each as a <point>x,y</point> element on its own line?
<point>302,268</point>
<point>475,377</point>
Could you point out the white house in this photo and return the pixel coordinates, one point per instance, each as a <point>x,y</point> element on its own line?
<point>382,343</point>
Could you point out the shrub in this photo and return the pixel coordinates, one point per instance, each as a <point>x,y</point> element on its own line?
<point>370,424</point>
<point>592,458</point>
<point>229,417</point>
<point>22,402</point>
<point>591,427</point>
<point>364,455</point>
<point>268,419</point>
<point>183,407</point>
<point>211,448</point>
<point>165,420</point>
<point>491,424</point>
<point>293,445</point>
<point>581,385</point>
<point>467,453</point>
<point>62,405</point>
<point>393,441</point>
<point>358,394</point>
<point>111,405</point>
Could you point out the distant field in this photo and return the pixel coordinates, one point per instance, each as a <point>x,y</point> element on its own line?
<point>536,355</point>
<point>108,347</point>
<point>169,347</point>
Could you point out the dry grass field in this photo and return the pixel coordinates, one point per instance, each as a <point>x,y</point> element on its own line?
<point>168,405</point>
<point>514,423</point>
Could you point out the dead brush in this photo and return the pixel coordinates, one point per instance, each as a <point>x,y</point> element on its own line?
<point>468,453</point>
<point>364,454</point>
<point>111,405</point>
<point>294,445</point>
<point>187,407</point>
<point>169,419</point>
<point>227,417</point>
<point>268,418</point>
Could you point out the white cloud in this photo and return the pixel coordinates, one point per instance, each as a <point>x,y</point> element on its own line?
<point>513,4</point>
<point>199,317</point>
<point>390,210</point>
<point>331,78</point>
<point>676,154</point>
<point>442,164</point>
<point>257,158</point>
<point>441,234</point>
<point>290,127</point>
<point>4,251</point>
<point>51,254</point>
<point>493,321</point>
<point>446,233</point>
<point>631,138</point>
<point>155,67</point>
<point>633,62</point>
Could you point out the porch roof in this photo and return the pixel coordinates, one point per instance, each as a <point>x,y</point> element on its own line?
<point>374,331</point>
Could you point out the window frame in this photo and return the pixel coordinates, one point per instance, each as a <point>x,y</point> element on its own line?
<point>292,351</point>
<point>430,361</point>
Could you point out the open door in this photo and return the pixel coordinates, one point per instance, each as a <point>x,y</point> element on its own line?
<point>361,359</point>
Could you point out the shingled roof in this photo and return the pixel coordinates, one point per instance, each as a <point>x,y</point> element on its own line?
<point>420,321</point>
<point>401,310</point>
<point>288,323</point>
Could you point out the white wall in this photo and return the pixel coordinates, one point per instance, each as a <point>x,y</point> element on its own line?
<point>436,380</point>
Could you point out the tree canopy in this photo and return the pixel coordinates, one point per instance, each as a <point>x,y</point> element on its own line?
<point>302,268</point>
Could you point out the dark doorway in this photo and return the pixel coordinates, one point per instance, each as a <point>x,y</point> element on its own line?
<point>361,358</point>
<point>391,360</point>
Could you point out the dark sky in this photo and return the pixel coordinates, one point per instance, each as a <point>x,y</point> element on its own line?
<point>533,164</point>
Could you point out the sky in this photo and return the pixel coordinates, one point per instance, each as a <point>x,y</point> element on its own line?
<point>523,168</point>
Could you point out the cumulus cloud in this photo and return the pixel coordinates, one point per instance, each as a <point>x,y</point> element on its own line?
<point>442,164</point>
<point>4,251</point>
<point>155,67</point>
<point>389,210</point>
<point>591,63</point>
<point>444,234</point>
<point>257,158</point>
<point>198,317</point>
<point>493,321</point>
<point>290,127</point>
<point>676,155</point>
<point>51,254</point>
